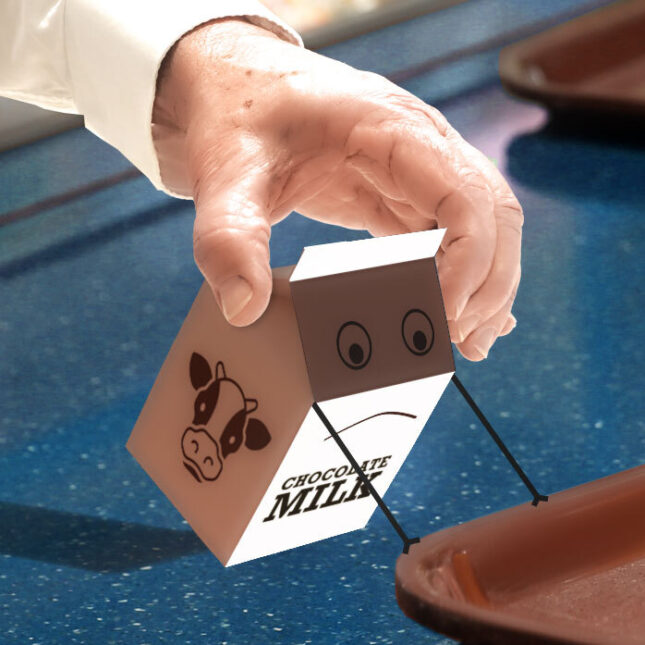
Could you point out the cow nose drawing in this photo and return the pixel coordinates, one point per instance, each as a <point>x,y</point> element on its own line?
<point>201,455</point>
<point>222,410</point>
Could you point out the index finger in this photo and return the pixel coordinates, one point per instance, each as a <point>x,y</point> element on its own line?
<point>408,159</point>
<point>440,182</point>
<point>504,274</point>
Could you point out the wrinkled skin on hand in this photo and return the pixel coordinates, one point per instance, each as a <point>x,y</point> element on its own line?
<point>253,127</point>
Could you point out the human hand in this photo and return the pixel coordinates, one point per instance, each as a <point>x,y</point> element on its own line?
<point>254,127</point>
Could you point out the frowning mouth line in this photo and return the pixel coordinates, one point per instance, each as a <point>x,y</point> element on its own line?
<point>378,414</point>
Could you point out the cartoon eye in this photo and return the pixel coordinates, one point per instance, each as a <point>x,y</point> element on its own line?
<point>196,446</point>
<point>233,434</point>
<point>208,460</point>
<point>354,345</point>
<point>205,403</point>
<point>417,332</point>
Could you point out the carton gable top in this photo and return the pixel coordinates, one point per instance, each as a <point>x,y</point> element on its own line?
<point>343,257</point>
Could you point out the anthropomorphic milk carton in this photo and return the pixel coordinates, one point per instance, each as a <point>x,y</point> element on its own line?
<point>228,431</point>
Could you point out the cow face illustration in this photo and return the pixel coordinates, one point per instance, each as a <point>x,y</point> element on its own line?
<point>221,421</point>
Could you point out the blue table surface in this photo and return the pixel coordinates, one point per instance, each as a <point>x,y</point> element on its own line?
<point>93,292</point>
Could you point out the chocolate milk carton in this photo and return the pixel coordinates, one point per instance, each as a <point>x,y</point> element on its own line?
<point>228,431</point>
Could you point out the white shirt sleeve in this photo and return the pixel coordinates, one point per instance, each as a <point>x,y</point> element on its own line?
<point>100,58</point>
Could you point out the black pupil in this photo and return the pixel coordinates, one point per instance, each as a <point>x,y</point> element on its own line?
<point>356,354</point>
<point>419,340</point>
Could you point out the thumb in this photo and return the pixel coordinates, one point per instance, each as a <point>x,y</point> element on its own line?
<point>231,235</point>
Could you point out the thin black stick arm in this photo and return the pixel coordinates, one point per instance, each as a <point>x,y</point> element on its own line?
<point>365,480</point>
<point>500,444</point>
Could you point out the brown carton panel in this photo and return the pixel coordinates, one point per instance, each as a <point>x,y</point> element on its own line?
<point>570,571</point>
<point>264,378</point>
<point>387,323</point>
<point>595,62</point>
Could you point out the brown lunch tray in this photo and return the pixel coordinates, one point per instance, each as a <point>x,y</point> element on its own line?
<point>594,63</point>
<point>569,571</point>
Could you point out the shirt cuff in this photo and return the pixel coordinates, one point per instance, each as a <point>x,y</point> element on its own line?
<point>114,51</point>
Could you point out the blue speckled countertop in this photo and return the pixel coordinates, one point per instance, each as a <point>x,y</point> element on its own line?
<point>92,293</point>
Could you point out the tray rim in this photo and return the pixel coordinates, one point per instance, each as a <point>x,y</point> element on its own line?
<point>557,95</point>
<point>456,618</point>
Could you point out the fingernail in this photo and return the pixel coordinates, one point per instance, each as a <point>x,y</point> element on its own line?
<point>510,325</point>
<point>468,324</point>
<point>235,293</point>
<point>483,339</point>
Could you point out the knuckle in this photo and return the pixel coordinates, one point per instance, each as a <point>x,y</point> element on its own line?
<point>207,244</point>
<point>390,106</point>
<point>226,237</point>
<point>406,105</point>
<point>499,296</point>
<point>202,250</point>
<point>471,178</point>
<point>510,211</point>
<point>438,119</point>
<point>204,166</point>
